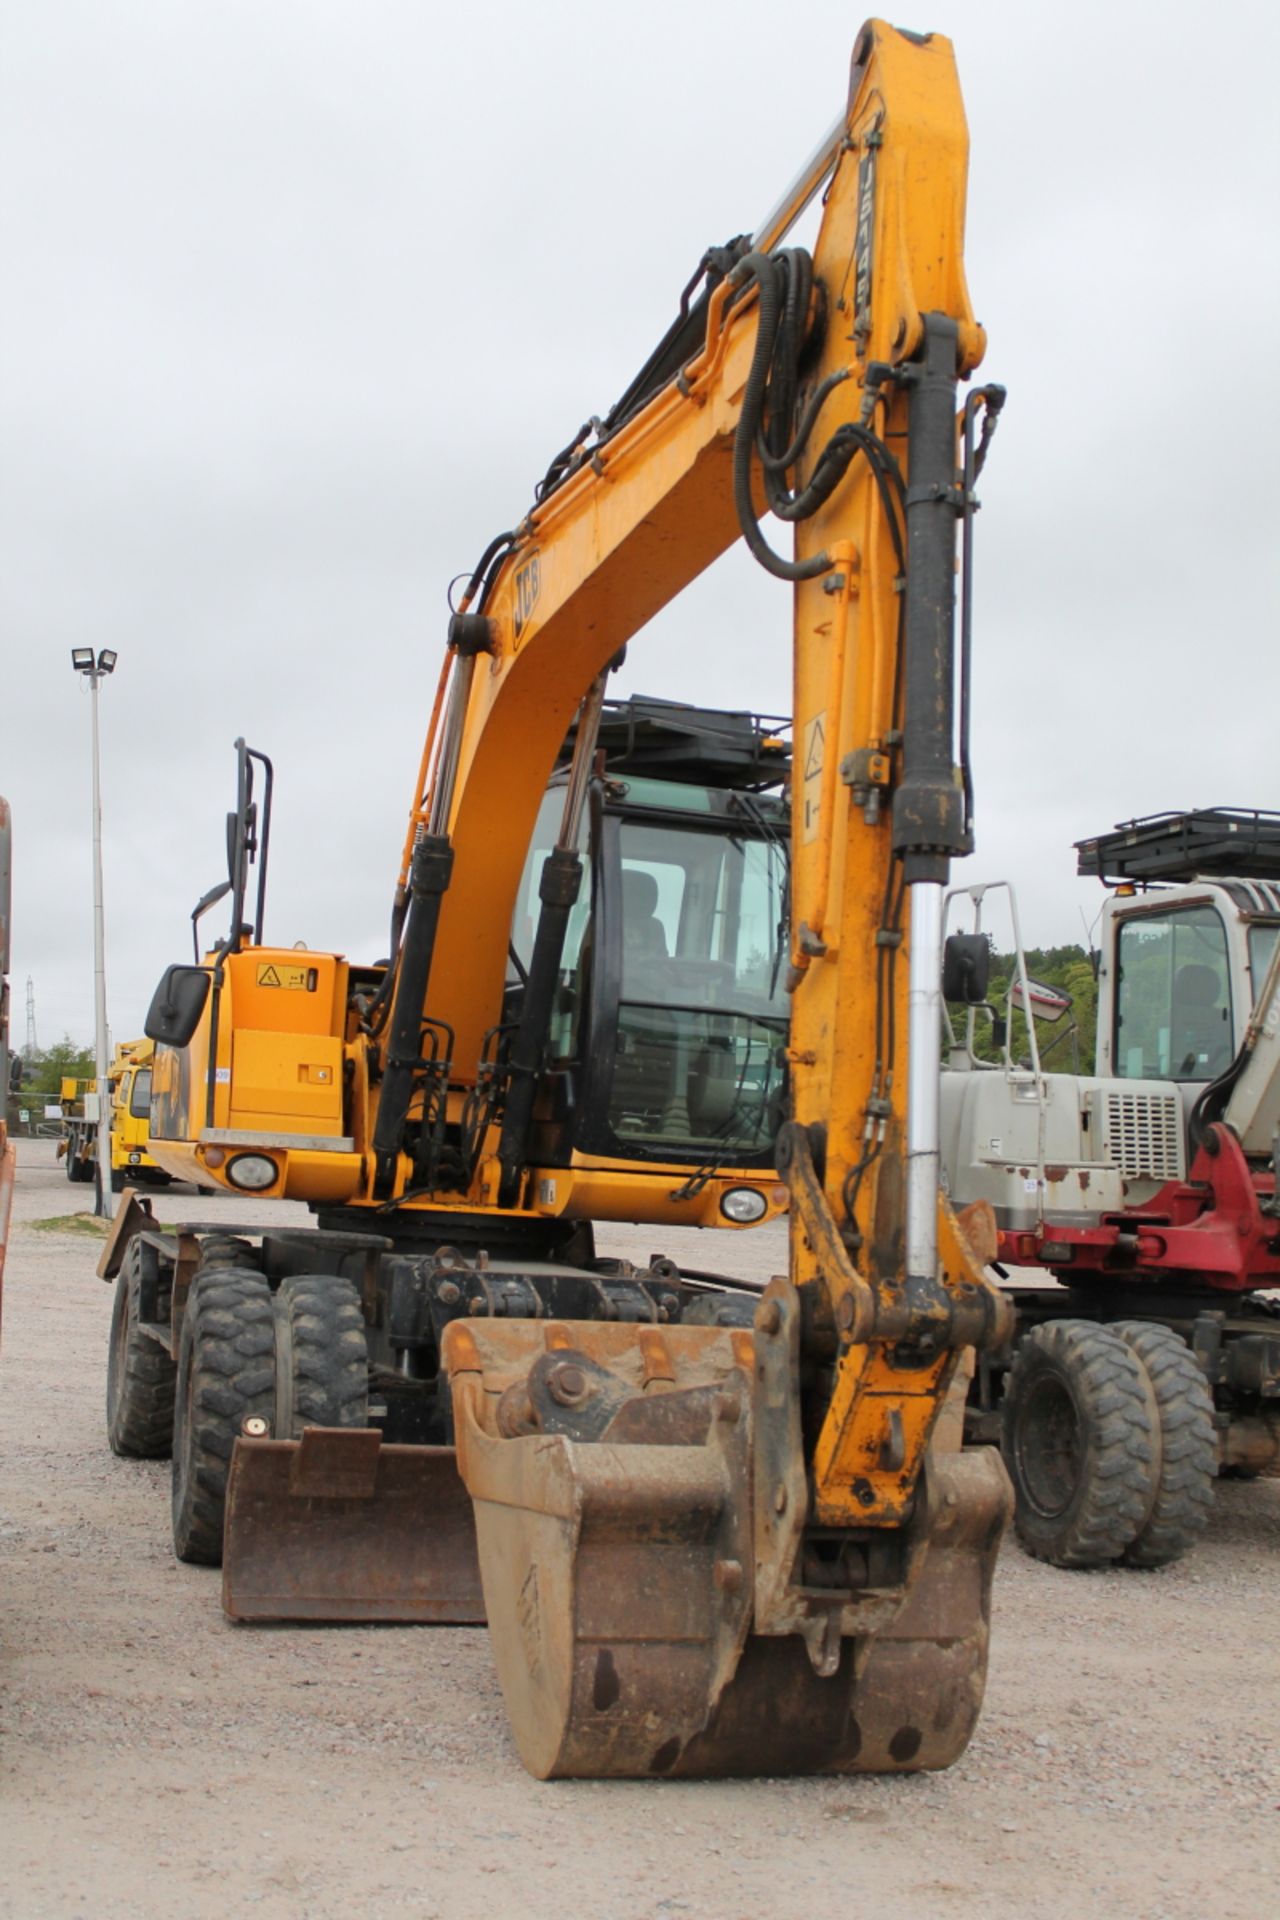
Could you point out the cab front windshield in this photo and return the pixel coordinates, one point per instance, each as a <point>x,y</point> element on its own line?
<point>702,1011</point>
<point>672,1005</point>
<point>140,1095</point>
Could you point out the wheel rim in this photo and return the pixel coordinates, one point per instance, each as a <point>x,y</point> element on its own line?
<point>1048,1447</point>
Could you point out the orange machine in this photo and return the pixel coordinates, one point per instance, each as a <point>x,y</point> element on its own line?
<point>712,1533</point>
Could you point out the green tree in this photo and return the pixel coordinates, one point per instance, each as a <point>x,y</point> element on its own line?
<point>1072,1039</point>
<point>42,1079</point>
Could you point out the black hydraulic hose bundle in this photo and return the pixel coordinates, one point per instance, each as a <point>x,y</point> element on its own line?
<point>991,399</point>
<point>1212,1104</point>
<point>766,428</point>
<point>678,345</point>
<point>487,568</point>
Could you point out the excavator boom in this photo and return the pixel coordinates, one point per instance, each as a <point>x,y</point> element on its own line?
<point>712,1552</point>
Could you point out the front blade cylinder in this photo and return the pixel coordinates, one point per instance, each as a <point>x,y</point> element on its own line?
<point>558,889</point>
<point>430,872</point>
<point>337,1526</point>
<point>620,1577</point>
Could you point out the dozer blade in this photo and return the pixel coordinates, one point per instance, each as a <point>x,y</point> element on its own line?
<point>622,1577</point>
<point>337,1526</point>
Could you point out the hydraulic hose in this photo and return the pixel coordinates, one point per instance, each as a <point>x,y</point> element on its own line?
<point>766,273</point>
<point>765,430</point>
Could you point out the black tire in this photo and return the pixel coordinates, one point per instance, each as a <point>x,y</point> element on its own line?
<point>226,1372</point>
<point>141,1376</point>
<point>227,1250</point>
<point>1077,1437</point>
<point>1187,1455</point>
<point>321,1344</point>
<point>117,1179</point>
<point>76,1172</point>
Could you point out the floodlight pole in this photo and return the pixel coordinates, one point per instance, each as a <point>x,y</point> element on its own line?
<point>103,1206</point>
<point>93,670</point>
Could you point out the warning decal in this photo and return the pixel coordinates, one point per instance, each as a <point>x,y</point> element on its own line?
<point>812,762</point>
<point>296,979</point>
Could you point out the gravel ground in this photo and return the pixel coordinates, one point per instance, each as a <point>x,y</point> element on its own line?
<point>158,1761</point>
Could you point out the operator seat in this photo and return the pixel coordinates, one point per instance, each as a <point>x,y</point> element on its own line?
<point>642,931</point>
<point>1201,1047</point>
<point>645,1066</point>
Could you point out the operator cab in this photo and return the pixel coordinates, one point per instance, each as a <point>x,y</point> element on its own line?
<point>668,1034</point>
<point>1190,932</point>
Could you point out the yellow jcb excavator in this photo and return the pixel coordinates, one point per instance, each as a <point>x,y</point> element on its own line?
<point>716,1533</point>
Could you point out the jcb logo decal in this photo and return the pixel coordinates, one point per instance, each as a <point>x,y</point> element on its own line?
<point>528,581</point>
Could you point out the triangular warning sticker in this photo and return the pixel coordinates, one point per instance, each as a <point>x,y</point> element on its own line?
<point>813,759</point>
<point>268,977</point>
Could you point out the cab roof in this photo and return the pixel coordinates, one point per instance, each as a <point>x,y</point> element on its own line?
<point>1230,843</point>
<point>667,740</point>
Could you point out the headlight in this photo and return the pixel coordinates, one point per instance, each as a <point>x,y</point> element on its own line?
<point>743,1205</point>
<point>135,1159</point>
<point>252,1171</point>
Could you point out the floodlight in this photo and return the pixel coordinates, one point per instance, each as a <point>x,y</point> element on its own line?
<point>106,661</point>
<point>82,659</point>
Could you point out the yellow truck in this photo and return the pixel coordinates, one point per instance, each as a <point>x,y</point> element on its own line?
<point>129,1086</point>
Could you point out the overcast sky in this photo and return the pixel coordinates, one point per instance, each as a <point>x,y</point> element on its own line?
<point>301,296</point>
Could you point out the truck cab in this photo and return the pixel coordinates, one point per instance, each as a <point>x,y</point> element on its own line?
<point>131,1156</point>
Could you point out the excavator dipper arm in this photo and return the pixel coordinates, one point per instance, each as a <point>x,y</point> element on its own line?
<point>703,1549</point>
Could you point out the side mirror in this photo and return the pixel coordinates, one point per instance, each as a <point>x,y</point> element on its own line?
<point>238,845</point>
<point>176,1006</point>
<point>15,1072</point>
<point>1044,1001</point>
<point>211,898</point>
<point>966,967</point>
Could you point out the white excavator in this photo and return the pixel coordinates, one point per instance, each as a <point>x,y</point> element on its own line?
<point>1148,1190</point>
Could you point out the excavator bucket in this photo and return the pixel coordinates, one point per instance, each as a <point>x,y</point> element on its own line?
<point>627,1567</point>
<point>337,1526</point>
